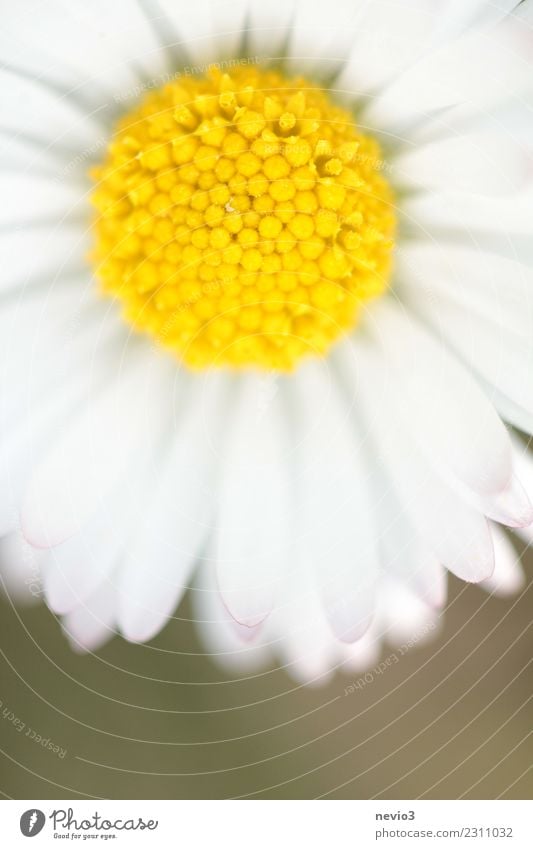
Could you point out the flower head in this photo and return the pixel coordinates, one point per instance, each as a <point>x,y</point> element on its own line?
<point>297,395</point>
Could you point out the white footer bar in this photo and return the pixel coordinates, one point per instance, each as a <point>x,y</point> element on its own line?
<point>268,824</point>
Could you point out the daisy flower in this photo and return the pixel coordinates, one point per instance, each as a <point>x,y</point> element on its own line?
<point>266,317</point>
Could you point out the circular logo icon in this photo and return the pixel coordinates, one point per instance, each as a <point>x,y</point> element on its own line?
<point>32,822</point>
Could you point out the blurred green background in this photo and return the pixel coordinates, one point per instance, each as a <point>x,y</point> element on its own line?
<point>161,721</point>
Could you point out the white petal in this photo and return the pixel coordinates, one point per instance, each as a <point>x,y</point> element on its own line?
<point>228,21</point>
<point>437,213</point>
<point>509,410</point>
<point>73,571</point>
<point>508,576</point>
<point>30,198</point>
<point>34,110</point>
<point>41,254</point>
<point>456,16</point>
<point>193,40</point>
<point>501,358</point>
<point>483,284</point>
<point>403,553</point>
<point>452,420</point>
<point>216,626</point>
<point>486,163</point>
<point>168,540</point>
<point>511,506</point>
<point>49,345</point>
<point>98,47</point>
<point>523,464</point>
<point>408,621</point>
<point>119,424</point>
<point>461,72</point>
<point>387,37</point>
<point>457,534</point>
<point>269,25</point>
<point>28,155</point>
<point>319,43</point>
<point>45,310</point>
<point>526,535</point>
<point>362,655</point>
<point>254,521</point>
<point>299,631</point>
<point>41,396</point>
<point>441,403</point>
<point>92,624</point>
<point>22,448</point>
<point>337,534</point>
<point>20,569</point>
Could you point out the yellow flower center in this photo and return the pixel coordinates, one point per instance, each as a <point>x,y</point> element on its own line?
<point>242,219</point>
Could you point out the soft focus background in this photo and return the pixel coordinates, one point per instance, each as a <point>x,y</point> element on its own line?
<point>449,720</point>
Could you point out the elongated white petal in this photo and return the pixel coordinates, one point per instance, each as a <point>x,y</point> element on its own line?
<point>441,403</point>
<point>177,522</point>
<point>58,352</point>
<point>319,50</point>
<point>217,627</point>
<point>506,117</point>
<point>526,535</point>
<point>40,403</point>
<point>511,506</point>
<point>495,353</point>
<point>362,655</point>
<point>299,632</point>
<point>495,288</point>
<point>119,57</point>
<point>407,621</point>
<point>456,16</point>
<point>307,648</point>
<point>523,463</point>
<point>92,624</point>
<point>32,108</point>
<point>28,155</point>
<point>508,576</point>
<point>228,22</point>
<point>508,409</point>
<point>439,212</point>
<point>269,27</point>
<point>22,447</point>
<point>252,540</point>
<point>486,163</point>
<point>73,570</point>
<point>457,431</point>
<point>460,72</point>
<point>209,34</point>
<point>40,254</point>
<point>457,534</point>
<point>29,198</point>
<point>40,318</point>
<point>337,536</point>
<point>403,553</point>
<point>387,37</point>
<point>119,424</point>
<point>20,569</point>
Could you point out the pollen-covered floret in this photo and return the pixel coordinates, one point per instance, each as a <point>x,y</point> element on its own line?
<point>242,218</point>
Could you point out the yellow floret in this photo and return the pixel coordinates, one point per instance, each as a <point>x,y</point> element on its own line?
<point>242,218</point>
